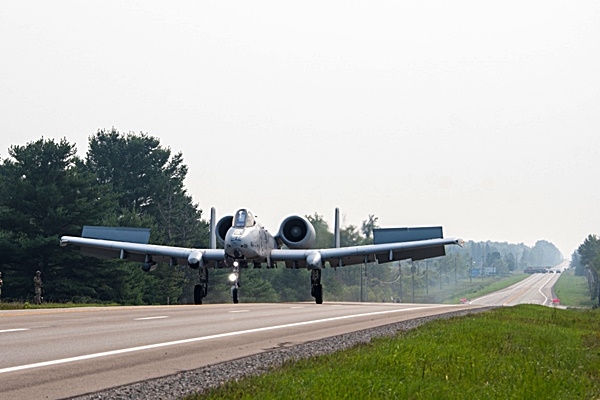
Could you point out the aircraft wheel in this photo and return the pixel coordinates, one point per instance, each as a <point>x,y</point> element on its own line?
<point>234,295</point>
<point>198,294</point>
<point>318,294</point>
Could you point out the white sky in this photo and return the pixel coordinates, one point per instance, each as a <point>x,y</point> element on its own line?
<point>480,116</point>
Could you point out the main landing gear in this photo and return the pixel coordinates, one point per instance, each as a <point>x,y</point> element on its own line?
<point>316,290</point>
<point>201,289</point>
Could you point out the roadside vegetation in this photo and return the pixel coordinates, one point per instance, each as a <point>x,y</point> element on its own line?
<point>525,352</point>
<point>13,305</point>
<point>572,290</point>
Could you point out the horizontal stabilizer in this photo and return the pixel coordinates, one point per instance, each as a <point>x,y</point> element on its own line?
<point>133,235</point>
<point>394,235</point>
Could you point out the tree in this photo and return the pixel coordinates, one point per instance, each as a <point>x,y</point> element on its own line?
<point>367,227</point>
<point>324,238</point>
<point>576,264</point>
<point>589,252</point>
<point>45,192</point>
<point>149,183</point>
<point>135,165</point>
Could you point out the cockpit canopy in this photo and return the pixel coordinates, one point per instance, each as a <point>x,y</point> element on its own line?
<point>243,219</point>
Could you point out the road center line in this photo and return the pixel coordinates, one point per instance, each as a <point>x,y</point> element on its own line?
<point>203,338</point>
<point>147,318</point>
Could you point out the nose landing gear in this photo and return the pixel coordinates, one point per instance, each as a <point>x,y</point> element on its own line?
<point>234,278</point>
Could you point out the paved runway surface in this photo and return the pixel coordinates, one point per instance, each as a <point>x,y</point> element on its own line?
<point>535,289</point>
<point>58,353</point>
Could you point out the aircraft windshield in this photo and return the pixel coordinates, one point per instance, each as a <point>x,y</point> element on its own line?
<point>243,219</point>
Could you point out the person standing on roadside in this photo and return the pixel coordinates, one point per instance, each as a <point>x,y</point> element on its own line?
<point>38,285</point>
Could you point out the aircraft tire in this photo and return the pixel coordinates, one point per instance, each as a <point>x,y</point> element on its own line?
<point>318,294</point>
<point>198,294</point>
<point>234,295</point>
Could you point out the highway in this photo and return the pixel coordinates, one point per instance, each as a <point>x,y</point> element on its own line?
<point>535,289</point>
<point>58,353</point>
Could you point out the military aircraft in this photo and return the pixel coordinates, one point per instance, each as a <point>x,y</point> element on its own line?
<point>246,243</point>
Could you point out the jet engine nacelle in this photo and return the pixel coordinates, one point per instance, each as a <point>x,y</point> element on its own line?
<point>222,227</point>
<point>297,232</point>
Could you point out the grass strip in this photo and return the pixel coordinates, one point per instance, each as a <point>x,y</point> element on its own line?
<point>573,290</point>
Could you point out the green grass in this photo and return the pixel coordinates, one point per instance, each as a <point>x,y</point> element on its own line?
<point>478,287</point>
<point>522,352</point>
<point>27,305</point>
<point>573,290</point>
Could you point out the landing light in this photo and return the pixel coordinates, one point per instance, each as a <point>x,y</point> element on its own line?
<point>233,277</point>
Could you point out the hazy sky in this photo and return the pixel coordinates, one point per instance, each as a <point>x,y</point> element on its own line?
<point>480,116</point>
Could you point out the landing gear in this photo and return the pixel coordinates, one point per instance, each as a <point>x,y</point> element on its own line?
<point>234,294</point>
<point>234,278</point>
<point>316,290</point>
<point>201,289</point>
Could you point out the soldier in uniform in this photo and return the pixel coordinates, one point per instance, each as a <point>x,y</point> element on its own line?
<point>38,285</point>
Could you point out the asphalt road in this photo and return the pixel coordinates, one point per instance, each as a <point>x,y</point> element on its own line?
<point>58,353</point>
<point>535,289</point>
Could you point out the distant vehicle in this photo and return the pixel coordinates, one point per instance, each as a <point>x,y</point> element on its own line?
<point>536,270</point>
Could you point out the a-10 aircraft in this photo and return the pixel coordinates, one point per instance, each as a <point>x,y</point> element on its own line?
<point>246,243</point>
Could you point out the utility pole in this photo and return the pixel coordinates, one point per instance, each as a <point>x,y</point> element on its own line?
<point>471,270</point>
<point>366,292</point>
<point>413,269</point>
<point>361,282</point>
<point>440,269</point>
<point>401,291</point>
<point>427,277</point>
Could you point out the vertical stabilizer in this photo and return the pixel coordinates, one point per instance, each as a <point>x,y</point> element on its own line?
<point>213,236</point>
<point>336,228</point>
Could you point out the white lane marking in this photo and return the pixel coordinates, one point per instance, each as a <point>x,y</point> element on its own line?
<point>204,338</point>
<point>239,311</point>
<point>147,318</point>
<point>294,307</point>
<point>541,287</point>
<point>14,330</point>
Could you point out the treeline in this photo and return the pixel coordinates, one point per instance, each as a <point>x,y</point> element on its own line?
<point>130,180</point>
<point>507,257</point>
<point>47,191</point>
<point>586,262</point>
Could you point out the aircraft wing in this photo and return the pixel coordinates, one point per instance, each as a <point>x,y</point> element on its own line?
<point>310,258</point>
<point>108,249</point>
<point>382,253</point>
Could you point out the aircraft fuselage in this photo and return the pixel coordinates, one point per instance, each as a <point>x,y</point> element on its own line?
<point>253,244</point>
